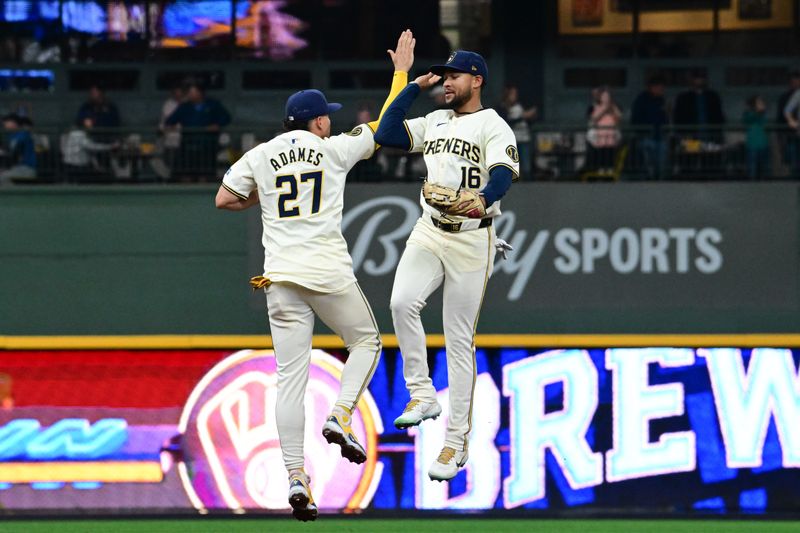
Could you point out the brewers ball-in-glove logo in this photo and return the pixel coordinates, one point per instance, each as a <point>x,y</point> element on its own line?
<point>355,132</point>
<point>511,152</point>
<point>229,439</point>
<point>451,58</point>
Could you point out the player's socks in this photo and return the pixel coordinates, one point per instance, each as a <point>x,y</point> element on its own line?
<point>337,430</point>
<point>446,466</point>
<point>303,506</point>
<point>415,412</point>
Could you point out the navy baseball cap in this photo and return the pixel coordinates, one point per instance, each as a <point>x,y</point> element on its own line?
<point>463,61</point>
<point>308,104</point>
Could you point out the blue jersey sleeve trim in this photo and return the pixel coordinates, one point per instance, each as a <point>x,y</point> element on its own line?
<point>499,183</point>
<point>392,130</point>
<point>514,174</point>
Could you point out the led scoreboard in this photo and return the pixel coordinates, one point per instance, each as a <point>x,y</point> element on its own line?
<point>631,429</point>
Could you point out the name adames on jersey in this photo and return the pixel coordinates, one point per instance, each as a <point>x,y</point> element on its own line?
<point>295,155</point>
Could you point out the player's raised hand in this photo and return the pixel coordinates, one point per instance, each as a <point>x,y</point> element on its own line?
<point>427,80</point>
<point>403,55</point>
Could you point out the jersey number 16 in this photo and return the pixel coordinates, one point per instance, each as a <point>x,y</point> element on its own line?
<point>470,178</point>
<point>291,195</point>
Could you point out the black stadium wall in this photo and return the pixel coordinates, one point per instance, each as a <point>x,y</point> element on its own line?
<point>588,258</point>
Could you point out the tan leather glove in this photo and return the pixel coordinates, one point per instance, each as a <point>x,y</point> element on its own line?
<point>461,202</point>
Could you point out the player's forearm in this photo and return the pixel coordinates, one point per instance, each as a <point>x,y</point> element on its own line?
<point>240,205</point>
<point>227,200</point>
<point>499,183</point>
<point>399,82</point>
<point>251,200</point>
<point>391,131</point>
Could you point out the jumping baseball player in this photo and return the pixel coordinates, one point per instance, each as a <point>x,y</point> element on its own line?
<point>471,158</point>
<point>298,178</point>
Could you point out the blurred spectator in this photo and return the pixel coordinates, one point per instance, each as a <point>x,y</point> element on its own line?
<point>200,119</point>
<point>518,117</point>
<point>367,169</point>
<point>757,143</point>
<point>698,119</point>
<point>700,106</point>
<point>789,116</point>
<point>437,95</point>
<point>170,140</point>
<point>102,112</point>
<point>20,153</point>
<point>41,51</point>
<point>783,99</point>
<point>364,114</point>
<point>79,153</point>
<point>649,115</point>
<point>9,49</point>
<point>176,97</point>
<point>603,136</point>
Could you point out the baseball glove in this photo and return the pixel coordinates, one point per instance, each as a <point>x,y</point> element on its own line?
<point>260,282</point>
<point>461,202</point>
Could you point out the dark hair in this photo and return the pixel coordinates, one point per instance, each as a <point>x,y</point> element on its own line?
<point>200,86</point>
<point>507,88</point>
<point>751,101</point>
<point>698,73</point>
<point>794,73</point>
<point>293,125</point>
<point>656,79</point>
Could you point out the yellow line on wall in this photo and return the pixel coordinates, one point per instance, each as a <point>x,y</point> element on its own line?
<point>69,472</point>
<point>196,342</point>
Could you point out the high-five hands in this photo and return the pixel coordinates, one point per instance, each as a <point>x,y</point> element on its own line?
<point>403,55</point>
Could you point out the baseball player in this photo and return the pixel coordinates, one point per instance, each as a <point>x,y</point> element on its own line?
<point>298,178</point>
<point>471,158</point>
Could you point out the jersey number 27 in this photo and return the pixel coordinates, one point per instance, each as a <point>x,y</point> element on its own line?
<point>291,195</point>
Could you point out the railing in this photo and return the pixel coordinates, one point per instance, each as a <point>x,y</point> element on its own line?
<point>123,155</point>
<point>553,153</point>
<point>673,153</point>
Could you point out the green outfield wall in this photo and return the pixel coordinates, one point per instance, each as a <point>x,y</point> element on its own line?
<point>589,258</point>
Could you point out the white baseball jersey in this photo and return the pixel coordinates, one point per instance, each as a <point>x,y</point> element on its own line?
<point>460,150</point>
<point>300,179</point>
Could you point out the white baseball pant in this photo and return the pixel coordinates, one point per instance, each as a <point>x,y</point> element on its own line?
<point>463,262</point>
<point>291,318</point>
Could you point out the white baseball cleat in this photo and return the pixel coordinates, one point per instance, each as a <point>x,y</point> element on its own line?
<point>415,412</point>
<point>303,506</point>
<point>446,466</point>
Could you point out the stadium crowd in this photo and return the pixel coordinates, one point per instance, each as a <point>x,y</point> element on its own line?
<point>652,138</point>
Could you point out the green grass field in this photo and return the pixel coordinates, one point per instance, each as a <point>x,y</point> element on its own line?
<point>369,525</point>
